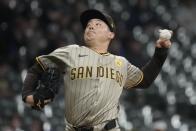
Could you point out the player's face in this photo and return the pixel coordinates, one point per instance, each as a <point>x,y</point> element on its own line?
<point>97,30</point>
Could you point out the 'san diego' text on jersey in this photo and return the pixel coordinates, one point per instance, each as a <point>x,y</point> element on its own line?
<point>87,72</point>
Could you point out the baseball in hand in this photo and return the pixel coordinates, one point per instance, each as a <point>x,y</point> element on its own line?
<point>165,34</point>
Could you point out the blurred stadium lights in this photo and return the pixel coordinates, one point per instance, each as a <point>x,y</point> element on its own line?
<point>154,3</point>
<point>125,15</point>
<point>34,5</point>
<point>169,68</point>
<point>187,62</point>
<point>194,73</point>
<point>99,6</point>
<point>184,127</point>
<point>162,88</point>
<point>160,10</point>
<point>193,50</point>
<point>189,91</point>
<point>20,104</point>
<point>47,126</point>
<point>171,98</point>
<point>23,74</point>
<point>175,51</point>
<point>22,51</point>
<point>124,123</point>
<point>150,48</point>
<point>147,114</point>
<point>4,26</point>
<point>175,121</point>
<point>166,17</point>
<point>159,125</point>
<point>48,111</point>
<point>183,38</point>
<point>193,100</point>
<point>12,4</point>
<point>131,2</point>
<point>181,80</point>
<point>116,7</point>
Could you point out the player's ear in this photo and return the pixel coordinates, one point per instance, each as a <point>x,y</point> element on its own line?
<point>111,35</point>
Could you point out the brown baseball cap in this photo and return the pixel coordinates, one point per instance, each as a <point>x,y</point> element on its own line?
<point>96,14</point>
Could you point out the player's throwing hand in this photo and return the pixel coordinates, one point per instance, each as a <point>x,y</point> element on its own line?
<point>164,38</point>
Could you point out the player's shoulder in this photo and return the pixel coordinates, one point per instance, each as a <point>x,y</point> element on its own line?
<point>71,46</point>
<point>67,48</point>
<point>120,57</point>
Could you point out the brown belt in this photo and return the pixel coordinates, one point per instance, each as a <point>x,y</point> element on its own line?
<point>110,125</point>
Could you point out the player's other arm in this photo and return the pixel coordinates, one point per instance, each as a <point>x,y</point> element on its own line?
<point>43,78</point>
<point>40,86</point>
<point>30,83</point>
<point>143,78</point>
<point>153,67</point>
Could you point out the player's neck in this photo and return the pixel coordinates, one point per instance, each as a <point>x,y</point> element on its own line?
<point>97,47</point>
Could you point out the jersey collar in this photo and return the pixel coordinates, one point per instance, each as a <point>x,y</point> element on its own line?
<point>103,54</point>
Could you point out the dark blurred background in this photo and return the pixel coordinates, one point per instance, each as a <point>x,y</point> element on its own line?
<point>29,28</point>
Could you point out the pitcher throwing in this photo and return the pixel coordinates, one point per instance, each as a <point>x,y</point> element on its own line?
<point>93,78</point>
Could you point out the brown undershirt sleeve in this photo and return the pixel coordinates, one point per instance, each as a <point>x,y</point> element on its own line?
<point>153,67</point>
<point>31,80</point>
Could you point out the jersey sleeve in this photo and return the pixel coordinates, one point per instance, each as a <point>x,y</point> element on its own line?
<point>56,59</point>
<point>134,76</point>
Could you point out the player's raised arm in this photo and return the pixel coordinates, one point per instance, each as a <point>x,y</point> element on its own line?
<point>153,67</point>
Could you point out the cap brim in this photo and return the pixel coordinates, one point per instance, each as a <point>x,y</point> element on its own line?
<point>92,14</point>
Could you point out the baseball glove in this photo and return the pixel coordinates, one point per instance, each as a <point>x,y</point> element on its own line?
<point>47,88</point>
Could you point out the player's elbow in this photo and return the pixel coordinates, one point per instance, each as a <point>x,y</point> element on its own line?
<point>144,84</point>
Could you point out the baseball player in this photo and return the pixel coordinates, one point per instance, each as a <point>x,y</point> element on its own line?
<point>93,78</point>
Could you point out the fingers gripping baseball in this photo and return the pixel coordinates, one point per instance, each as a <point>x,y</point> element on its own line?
<point>164,39</point>
<point>163,43</point>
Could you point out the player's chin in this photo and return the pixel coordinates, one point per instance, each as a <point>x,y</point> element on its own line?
<point>88,41</point>
<point>88,38</point>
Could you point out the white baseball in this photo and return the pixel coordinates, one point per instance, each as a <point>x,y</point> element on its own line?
<point>165,34</point>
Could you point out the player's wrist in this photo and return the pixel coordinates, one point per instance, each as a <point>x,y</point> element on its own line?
<point>161,51</point>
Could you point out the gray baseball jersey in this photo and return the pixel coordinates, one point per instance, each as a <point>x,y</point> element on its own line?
<point>93,82</point>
